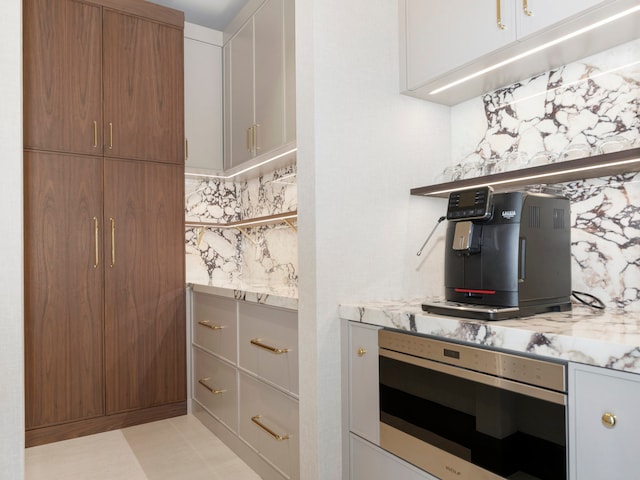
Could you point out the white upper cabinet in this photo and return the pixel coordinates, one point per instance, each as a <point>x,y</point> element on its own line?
<point>442,36</point>
<point>203,99</point>
<point>259,84</point>
<point>444,42</point>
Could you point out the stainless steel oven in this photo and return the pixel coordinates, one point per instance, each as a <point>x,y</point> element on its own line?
<point>464,412</point>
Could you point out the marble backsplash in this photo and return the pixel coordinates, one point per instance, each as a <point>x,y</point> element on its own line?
<point>261,257</point>
<point>578,106</point>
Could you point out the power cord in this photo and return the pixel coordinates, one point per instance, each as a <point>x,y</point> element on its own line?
<point>588,300</point>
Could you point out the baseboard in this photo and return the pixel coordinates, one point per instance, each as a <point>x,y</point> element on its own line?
<point>55,433</point>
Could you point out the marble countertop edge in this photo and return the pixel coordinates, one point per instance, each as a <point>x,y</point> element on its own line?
<point>282,297</point>
<point>605,339</point>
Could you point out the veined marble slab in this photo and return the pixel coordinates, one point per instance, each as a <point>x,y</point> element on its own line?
<point>601,338</point>
<point>283,297</point>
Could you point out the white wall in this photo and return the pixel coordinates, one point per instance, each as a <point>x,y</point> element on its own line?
<point>362,146</point>
<point>11,279</point>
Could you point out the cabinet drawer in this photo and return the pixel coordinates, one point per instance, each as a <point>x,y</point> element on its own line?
<point>268,344</point>
<point>215,325</point>
<point>269,423</point>
<point>599,449</point>
<point>215,387</point>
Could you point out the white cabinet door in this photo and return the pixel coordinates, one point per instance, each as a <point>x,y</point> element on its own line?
<point>598,450</point>
<point>364,410</point>
<point>369,462</point>
<point>442,36</point>
<point>241,92</point>
<point>540,14</point>
<point>269,76</point>
<point>202,100</point>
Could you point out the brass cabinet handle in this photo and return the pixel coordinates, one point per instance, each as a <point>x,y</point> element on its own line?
<point>525,8</point>
<point>203,382</point>
<point>186,149</point>
<point>274,435</point>
<point>246,138</point>
<point>96,233</point>
<point>258,343</point>
<point>254,137</point>
<point>361,352</point>
<point>609,420</point>
<point>110,135</point>
<point>113,242</point>
<point>501,25</point>
<point>205,323</point>
<point>95,134</point>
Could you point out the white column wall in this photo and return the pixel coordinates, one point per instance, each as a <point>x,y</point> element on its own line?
<point>11,275</point>
<point>362,146</point>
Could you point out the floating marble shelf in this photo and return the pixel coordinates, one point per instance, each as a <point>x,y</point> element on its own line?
<point>243,225</point>
<point>603,165</point>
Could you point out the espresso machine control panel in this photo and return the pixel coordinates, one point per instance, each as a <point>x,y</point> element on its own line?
<point>472,204</point>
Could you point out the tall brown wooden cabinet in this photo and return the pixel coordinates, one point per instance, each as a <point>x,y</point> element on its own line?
<point>104,216</point>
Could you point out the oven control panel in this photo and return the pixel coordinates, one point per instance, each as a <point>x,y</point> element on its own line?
<point>532,371</point>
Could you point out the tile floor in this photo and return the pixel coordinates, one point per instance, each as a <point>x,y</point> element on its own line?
<point>177,448</point>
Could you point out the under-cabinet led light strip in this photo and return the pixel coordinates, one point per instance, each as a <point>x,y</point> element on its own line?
<point>538,49</point>
<point>226,177</point>
<point>539,176</point>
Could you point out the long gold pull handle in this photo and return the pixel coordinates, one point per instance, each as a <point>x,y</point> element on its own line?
<point>95,134</point>
<point>247,136</point>
<point>203,382</point>
<point>258,343</point>
<point>361,352</point>
<point>255,137</point>
<point>609,420</point>
<point>110,135</point>
<point>501,25</point>
<point>186,149</point>
<point>274,435</point>
<point>96,232</point>
<point>205,323</point>
<point>525,8</point>
<point>113,242</point>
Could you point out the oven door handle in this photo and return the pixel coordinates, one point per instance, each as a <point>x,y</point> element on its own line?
<point>503,383</point>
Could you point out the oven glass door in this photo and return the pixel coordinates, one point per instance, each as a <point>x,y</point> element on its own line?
<point>499,433</point>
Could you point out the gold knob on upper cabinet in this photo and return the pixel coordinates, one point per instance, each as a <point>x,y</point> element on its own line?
<point>361,351</point>
<point>609,420</point>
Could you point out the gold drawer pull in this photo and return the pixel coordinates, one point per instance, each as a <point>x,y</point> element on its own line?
<point>258,343</point>
<point>361,352</point>
<point>203,382</point>
<point>205,323</point>
<point>609,420</point>
<point>525,8</point>
<point>501,25</point>
<point>273,434</point>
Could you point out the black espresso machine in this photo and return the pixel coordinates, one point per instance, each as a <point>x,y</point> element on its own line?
<point>506,255</point>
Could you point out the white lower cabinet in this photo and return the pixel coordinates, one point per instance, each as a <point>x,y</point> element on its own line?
<point>269,422</point>
<point>215,386</point>
<point>243,391</point>
<point>604,421</point>
<point>364,406</point>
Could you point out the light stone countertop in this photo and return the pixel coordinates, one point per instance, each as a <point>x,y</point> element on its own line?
<point>275,296</point>
<point>602,338</point>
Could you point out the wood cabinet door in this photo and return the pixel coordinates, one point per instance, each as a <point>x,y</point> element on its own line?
<point>143,89</point>
<point>62,76</point>
<point>63,288</point>
<point>145,329</point>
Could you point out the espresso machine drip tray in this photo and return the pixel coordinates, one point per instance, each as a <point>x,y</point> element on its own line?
<point>488,312</point>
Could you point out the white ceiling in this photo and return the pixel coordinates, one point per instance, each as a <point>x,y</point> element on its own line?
<point>214,14</point>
